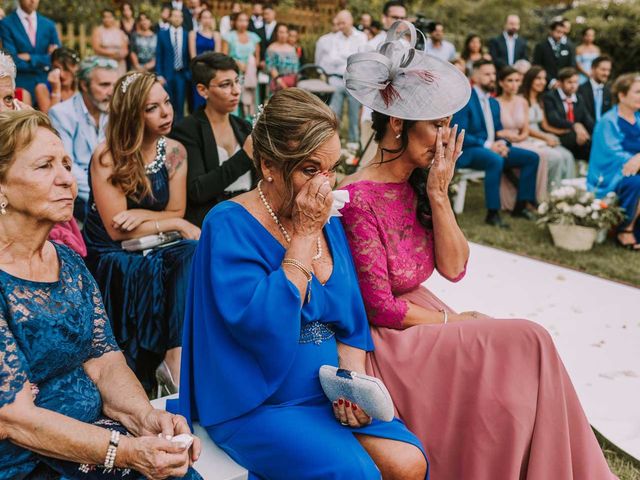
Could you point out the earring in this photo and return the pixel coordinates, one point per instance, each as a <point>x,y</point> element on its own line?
<point>3,208</point>
<point>269,179</point>
<point>398,136</point>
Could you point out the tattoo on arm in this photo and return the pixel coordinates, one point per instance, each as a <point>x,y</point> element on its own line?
<point>175,159</point>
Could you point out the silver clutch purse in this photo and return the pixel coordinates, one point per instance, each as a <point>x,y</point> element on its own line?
<point>369,393</point>
<point>149,242</point>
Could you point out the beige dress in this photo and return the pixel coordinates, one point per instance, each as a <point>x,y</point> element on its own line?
<point>114,40</point>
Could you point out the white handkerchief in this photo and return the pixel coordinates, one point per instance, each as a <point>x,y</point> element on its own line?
<point>340,199</point>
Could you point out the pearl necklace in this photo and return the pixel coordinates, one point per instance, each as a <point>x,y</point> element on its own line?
<point>282,229</point>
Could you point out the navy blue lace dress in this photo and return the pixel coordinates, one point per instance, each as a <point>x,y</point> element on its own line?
<point>144,295</point>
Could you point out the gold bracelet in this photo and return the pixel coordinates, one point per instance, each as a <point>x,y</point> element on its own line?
<point>300,266</point>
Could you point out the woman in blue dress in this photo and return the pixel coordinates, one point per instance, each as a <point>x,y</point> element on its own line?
<point>273,296</point>
<point>614,164</point>
<point>138,188</point>
<point>61,373</point>
<point>205,39</point>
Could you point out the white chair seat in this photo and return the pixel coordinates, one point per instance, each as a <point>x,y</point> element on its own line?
<point>465,174</point>
<point>214,464</point>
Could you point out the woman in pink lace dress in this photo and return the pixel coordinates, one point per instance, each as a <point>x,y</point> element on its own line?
<point>490,399</point>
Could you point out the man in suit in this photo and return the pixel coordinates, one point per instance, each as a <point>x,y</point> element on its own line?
<point>596,93</point>
<point>483,149</point>
<point>211,178</point>
<point>29,38</point>
<point>555,53</point>
<point>508,48</point>
<point>172,62</point>
<point>187,19</point>
<point>82,119</point>
<point>565,109</point>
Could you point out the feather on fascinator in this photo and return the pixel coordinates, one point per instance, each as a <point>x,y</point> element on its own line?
<point>402,82</point>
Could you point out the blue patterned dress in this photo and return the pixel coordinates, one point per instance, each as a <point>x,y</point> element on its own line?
<point>203,44</point>
<point>48,330</point>
<point>144,294</point>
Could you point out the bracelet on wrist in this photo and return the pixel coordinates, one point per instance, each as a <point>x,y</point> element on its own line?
<point>307,273</point>
<point>157,228</point>
<point>446,316</point>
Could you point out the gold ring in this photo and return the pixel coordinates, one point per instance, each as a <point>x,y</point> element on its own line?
<point>320,195</point>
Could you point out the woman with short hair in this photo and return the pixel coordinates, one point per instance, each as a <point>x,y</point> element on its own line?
<point>70,407</point>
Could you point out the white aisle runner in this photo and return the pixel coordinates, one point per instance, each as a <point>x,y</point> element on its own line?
<point>595,324</point>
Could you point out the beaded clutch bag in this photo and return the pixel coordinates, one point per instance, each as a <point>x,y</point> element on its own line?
<point>369,393</point>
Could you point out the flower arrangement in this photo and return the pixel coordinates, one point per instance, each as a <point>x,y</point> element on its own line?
<point>572,206</point>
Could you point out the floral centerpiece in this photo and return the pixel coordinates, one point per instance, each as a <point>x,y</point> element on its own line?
<point>574,217</point>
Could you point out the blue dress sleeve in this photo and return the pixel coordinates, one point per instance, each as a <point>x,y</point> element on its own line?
<point>14,370</point>
<point>242,321</point>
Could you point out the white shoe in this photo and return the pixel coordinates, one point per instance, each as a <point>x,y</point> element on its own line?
<point>166,384</point>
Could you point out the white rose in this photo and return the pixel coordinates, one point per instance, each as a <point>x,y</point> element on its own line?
<point>588,209</point>
<point>543,208</point>
<point>570,191</point>
<point>564,207</point>
<point>594,215</point>
<point>579,211</point>
<point>595,206</point>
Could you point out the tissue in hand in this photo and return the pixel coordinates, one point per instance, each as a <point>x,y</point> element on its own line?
<point>340,199</point>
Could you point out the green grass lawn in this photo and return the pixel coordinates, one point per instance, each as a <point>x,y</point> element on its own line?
<point>607,260</point>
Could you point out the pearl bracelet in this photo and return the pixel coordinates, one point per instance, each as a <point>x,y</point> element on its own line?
<point>446,316</point>
<point>110,459</point>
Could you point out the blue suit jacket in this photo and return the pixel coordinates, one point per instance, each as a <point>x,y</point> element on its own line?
<point>164,54</point>
<point>471,119</point>
<point>15,40</point>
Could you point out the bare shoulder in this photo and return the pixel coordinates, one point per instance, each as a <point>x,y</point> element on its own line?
<point>176,156</point>
<point>101,160</point>
<point>353,178</point>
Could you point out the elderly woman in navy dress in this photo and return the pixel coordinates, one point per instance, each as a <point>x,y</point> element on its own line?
<point>70,408</point>
<point>273,296</point>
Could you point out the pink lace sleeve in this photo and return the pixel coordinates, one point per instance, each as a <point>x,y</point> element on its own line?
<point>370,258</point>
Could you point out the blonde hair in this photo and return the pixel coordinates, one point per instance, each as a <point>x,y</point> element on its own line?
<point>125,134</point>
<point>623,85</point>
<point>290,128</point>
<point>18,130</point>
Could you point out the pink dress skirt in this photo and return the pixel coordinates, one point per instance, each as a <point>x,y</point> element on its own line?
<point>489,399</point>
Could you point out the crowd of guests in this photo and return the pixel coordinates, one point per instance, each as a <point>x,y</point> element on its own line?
<point>257,284</point>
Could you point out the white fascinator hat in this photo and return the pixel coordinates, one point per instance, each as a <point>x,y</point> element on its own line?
<point>402,82</point>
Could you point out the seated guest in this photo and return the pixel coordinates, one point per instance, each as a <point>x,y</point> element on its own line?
<point>61,82</point>
<point>108,40</point>
<point>8,91</point>
<point>282,60</point>
<point>515,118</point>
<point>596,92</point>
<point>61,373</point>
<point>437,46</point>
<point>29,38</point>
<point>472,51</point>
<point>294,40</point>
<point>81,121</point>
<point>614,165</point>
<point>138,188</point>
<point>565,109</point>
<point>560,161</point>
<point>484,149</point>
<point>273,297</point>
<point>490,399</point>
<point>215,140</point>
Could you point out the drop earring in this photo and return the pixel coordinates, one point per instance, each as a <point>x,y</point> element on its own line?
<point>269,179</point>
<point>3,208</point>
<point>398,136</point>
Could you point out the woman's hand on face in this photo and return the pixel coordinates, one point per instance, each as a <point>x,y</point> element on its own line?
<point>350,414</point>
<point>444,163</point>
<point>129,220</point>
<point>188,230</point>
<point>154,457</point>
<point>54,78</point>
<point>312,206</point>
<point>164,424</point>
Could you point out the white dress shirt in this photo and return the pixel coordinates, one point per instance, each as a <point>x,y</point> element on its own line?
<point>573,98</point>
<point>511,47</point>
<point>258,22</point>
<point>269,28</point>
<point>446,51</point>
<point>23,16</point>
<point>173,31</point>
<point>488,116</point>
<point>598,97</point>
<point>333,50</point>
<point>243,182</point>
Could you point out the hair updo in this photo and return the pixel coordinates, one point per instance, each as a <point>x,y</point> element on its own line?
<point>292,126</point>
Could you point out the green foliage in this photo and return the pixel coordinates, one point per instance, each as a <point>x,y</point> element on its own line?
<point>617,33</point>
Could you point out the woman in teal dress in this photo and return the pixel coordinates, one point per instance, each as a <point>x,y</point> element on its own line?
<point>138,188</point>
<point>273,297</point>
<point>244,47</point>
<point>65,388</point>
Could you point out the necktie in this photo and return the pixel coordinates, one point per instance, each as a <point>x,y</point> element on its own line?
<point>488,119</point>
<point>570,115</point>
<point>597,96</point>
<point>31,31</point>
<point>177,54</point>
